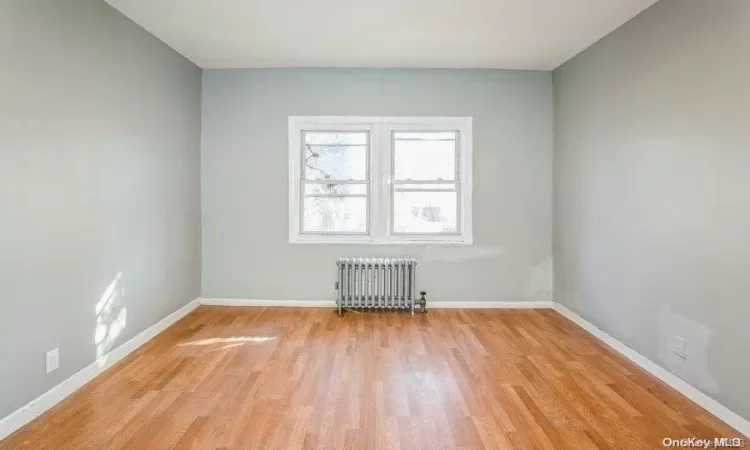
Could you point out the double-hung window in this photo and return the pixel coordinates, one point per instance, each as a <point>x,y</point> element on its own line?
<point>380,179</point>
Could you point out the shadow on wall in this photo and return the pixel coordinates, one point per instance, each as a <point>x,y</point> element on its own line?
<point>111,319</point>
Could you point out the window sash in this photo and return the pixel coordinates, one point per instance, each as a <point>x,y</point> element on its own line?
<point>396,182</point>
<point>306,181</point>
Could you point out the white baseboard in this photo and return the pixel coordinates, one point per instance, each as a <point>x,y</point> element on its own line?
<point>717,409</point>
<point>36,407</point>
<point>332,303</point>
<point>265,302</point>
<point>490,305</point>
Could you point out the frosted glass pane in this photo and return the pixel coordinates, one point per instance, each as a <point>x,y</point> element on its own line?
<point>333,189</point>
<point>425,212</point>
<point>334,215</point>
<point>335,156</point>
<point>424,160</point>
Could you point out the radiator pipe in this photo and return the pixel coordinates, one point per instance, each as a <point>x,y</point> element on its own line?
<point>422,302</point>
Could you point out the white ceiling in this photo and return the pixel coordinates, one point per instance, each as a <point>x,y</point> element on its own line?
<point>503,34</point>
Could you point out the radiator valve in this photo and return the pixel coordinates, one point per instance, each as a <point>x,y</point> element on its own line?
<point>422,302</point>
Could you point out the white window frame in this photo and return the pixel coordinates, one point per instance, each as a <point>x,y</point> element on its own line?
<point>380,177</point>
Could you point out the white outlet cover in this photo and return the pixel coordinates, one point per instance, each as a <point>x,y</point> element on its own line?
<point>678,346</point>
<point>53,360</point>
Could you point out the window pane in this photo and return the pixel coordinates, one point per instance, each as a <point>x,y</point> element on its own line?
<point>335,156</point>
<point>334,215</point>
<point>333,189</point>
<point>425,212</point>
<point>423,158</point>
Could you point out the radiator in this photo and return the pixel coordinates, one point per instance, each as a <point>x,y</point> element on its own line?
<point>376,283</point>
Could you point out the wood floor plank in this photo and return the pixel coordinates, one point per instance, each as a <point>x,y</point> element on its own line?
<point>245,378</point>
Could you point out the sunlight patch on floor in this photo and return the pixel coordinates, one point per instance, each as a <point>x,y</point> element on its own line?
<point>239,340</point>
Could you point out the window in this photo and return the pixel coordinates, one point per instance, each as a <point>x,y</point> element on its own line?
<point>380,180</point>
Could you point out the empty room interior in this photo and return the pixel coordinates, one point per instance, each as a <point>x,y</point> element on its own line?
<point>403,224</point>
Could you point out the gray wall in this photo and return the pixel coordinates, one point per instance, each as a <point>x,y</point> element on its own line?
<point>652,189</point>
<point>99,176</point>
<point>246,253</point>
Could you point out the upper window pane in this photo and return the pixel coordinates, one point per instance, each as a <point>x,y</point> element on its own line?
<point>424,155</point>
<point>335,155</point>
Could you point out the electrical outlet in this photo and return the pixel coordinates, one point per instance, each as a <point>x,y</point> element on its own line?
<point>53,360</point>
<point>678,346</point>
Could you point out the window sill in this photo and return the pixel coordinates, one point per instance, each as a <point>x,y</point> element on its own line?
<point>391,242</point>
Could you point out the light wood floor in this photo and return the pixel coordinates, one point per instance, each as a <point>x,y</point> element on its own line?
<point>305,378</point>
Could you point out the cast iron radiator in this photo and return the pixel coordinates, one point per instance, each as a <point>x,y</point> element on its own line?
<point>377,283</point>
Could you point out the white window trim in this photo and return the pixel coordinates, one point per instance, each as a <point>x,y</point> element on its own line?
<point>380,181</point>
